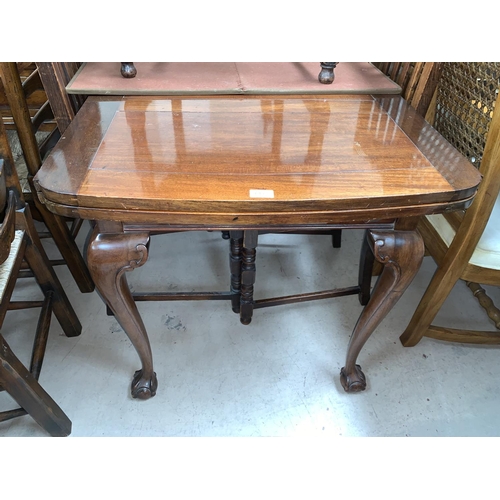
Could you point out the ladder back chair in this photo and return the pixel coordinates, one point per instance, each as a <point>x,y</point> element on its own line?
<point>19,242</point>
<point>465,245</point>
<point>43,122</point>
<point>55,76</point>
<point>16,94</point>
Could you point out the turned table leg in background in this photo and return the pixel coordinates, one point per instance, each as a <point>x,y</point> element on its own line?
<point>366,261</point>
<point>248,270</point>
<point>109,256</point>
<point>236,244</point>
<point>401,253</point>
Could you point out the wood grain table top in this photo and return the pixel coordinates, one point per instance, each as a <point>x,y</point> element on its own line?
<point>240,157</point>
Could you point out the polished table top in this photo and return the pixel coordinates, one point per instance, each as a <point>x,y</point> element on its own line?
<point>253,160</point>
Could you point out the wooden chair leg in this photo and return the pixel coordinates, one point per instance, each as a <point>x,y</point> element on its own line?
<point>436,293</point>
<point>366,261</point>
<point>41,336</point>
<point>486,303</point>
<point>337,238</point>
<point>377,269</point>
<point>47,279</point>
<point>75,227</point>
<point>29,394</point>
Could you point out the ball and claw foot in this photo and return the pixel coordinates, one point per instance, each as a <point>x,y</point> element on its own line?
<point>144,388</point>
<point>354,383</point>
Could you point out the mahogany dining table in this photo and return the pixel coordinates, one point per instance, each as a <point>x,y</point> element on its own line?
<point>137,166</point>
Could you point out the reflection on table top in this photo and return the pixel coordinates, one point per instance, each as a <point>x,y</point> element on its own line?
<point>258,153</point>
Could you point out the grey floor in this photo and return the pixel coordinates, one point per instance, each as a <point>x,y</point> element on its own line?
<point>278,376</point>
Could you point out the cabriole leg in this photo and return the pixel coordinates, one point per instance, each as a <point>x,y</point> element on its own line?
<point>401,253</point>
<point>109,256</point>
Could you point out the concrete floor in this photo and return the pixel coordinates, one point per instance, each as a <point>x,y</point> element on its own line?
<point>278,376</point>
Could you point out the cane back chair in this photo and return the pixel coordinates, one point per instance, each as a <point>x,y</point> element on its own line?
<point>465,246</point>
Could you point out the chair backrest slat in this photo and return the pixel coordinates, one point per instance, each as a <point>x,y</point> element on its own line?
<point>55,77</point>
<point>418,81</point>
<point>402,78</point>
<point>395,70</point>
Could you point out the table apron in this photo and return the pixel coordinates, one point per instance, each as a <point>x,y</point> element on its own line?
<point>376,217</point>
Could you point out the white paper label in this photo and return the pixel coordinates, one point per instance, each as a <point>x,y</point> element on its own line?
<point>261,193</point>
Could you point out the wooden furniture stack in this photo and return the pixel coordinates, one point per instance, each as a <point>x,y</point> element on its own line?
<point>19,243</point>
<point>35,110</point>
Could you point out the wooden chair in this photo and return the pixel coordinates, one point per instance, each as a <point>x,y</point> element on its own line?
<point>38,106</point>
<point>19,242</point>
<point>55,76</point>
<point>17,94</point>
<point>465,246</point>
